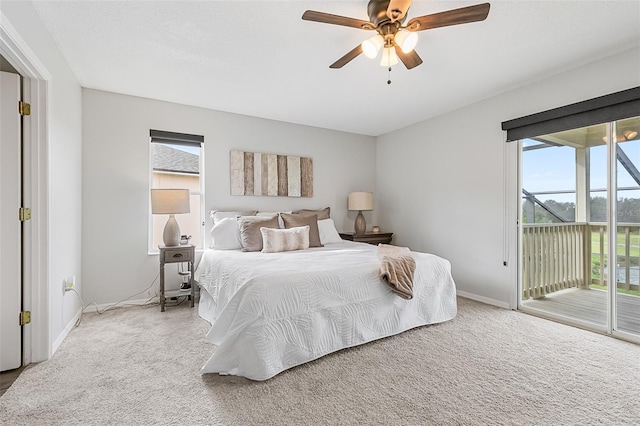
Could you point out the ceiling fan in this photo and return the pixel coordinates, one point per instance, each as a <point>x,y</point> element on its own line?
<point>397,40</point>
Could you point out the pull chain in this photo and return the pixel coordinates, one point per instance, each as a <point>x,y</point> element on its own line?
<point>389,74</point>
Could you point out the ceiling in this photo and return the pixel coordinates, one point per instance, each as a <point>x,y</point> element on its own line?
<point>593,135</point>
<point>259,58</point>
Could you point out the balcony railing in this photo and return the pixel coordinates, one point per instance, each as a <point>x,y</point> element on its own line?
<point>564,255</point>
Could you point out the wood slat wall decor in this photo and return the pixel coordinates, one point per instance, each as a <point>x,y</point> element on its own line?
<point>255,173</point>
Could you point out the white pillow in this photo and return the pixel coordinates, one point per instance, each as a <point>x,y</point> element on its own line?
<point>277,240</point>
<point>226,234</point>
<point>217,215</point>
<point>328,232</point>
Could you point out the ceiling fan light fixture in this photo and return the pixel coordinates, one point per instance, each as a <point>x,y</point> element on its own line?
<point>627,135</point>
<point>386,17</point>
<point>389,57</point>
<point>407,40</point>
<point>371,46</point>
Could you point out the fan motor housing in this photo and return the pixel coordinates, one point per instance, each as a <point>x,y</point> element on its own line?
<point>377,10</point>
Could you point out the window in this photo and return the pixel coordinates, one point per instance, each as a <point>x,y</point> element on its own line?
<point>177,162</point>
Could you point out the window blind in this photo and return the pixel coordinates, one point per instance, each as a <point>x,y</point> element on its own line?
<point>162,136</point>
<point>612,107</point>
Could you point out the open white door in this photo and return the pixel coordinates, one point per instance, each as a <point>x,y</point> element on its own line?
<point>10,227</point>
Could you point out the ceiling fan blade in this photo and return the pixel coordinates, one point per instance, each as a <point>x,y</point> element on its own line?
<point>327,18</point>
<point>347,58</point>
<point>463,15</point>
<point>410,60</point>
<point>398,9</point>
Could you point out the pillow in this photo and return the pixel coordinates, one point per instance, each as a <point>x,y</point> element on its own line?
<point>250,236</point>
<point>328,232</point>
<point>277,240</point>
<point>293,220</point>
<point>280,222</point>
<point>322,213</point>
<point>226,234</point>
<point>218,215</point>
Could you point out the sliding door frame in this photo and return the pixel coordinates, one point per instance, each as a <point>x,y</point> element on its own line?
<point>612,227</point>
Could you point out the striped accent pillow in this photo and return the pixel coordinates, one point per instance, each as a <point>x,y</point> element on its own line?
<point>278,240</point>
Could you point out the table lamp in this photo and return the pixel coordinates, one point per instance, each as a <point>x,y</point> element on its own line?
<point>171,202</point>
<point>360,201</point>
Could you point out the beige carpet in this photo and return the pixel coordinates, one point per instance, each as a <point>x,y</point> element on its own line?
<point>487,366</point>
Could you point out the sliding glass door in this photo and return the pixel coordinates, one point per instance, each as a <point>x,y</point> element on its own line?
<point>578,185</point>
<point>564,180</point>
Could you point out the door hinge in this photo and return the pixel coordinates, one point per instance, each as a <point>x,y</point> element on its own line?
<point>24,214</point>
<point>24,108</point>
<point>25,317</point>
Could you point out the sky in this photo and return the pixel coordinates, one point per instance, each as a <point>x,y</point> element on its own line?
<point>186,148</point>
<point>551,169</point>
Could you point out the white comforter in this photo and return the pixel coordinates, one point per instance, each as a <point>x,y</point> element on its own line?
<point>273,311</point>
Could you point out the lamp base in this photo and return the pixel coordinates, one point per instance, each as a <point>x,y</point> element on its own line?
<point>361,224</point>
<point>171,234</point>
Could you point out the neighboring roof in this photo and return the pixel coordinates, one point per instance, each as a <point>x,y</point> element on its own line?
<point>167,159</point>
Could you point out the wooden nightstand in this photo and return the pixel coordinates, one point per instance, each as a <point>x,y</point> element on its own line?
<point>374,238</point>
<point>177,254</point>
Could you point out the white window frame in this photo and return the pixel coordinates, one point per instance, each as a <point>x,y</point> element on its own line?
<point>152,250</point>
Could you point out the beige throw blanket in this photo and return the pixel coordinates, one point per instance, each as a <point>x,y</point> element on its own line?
<point>397,267</point>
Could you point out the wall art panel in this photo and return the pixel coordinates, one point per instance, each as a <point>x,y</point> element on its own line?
<point>255,173</point>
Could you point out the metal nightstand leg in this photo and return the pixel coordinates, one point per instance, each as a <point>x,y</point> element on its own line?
<point>193,287</point>
<point>161,287</point>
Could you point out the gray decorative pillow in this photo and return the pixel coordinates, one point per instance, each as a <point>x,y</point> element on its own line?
<point>277,240</point>
<point>250,236</point>
<point>322,213</point>
<point>293,220</point>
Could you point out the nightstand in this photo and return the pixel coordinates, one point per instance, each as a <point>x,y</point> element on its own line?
<point>374,238</point>
<point>177,254</point>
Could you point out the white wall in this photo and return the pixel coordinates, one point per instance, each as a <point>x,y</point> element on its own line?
<point>116,178</point>
<point>64,166</point>
<point>441,182</point>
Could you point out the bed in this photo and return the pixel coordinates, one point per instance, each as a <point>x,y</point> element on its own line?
<point>273,311</point>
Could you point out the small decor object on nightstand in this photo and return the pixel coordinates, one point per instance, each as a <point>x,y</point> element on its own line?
<point>375,229</point>
<point>360,201</point>
<point>185,285</point>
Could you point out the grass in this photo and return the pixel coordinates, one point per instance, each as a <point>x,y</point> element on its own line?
<point>634,249</point>
<point>620,290</point>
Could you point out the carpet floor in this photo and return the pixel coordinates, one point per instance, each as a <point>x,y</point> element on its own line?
<point>487,366</point>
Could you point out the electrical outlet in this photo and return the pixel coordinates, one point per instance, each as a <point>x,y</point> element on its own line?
<point>69,283</point>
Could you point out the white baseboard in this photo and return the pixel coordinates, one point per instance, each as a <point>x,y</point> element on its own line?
<point>65,332</point>
<point>487,300</point>
<point>95,308</point>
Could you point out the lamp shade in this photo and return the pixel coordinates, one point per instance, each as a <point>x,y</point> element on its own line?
<point>169,201</point>
<point>407,40</point>
<point>389,57</point>
<point>360,201</point>
<point>371,46</point>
